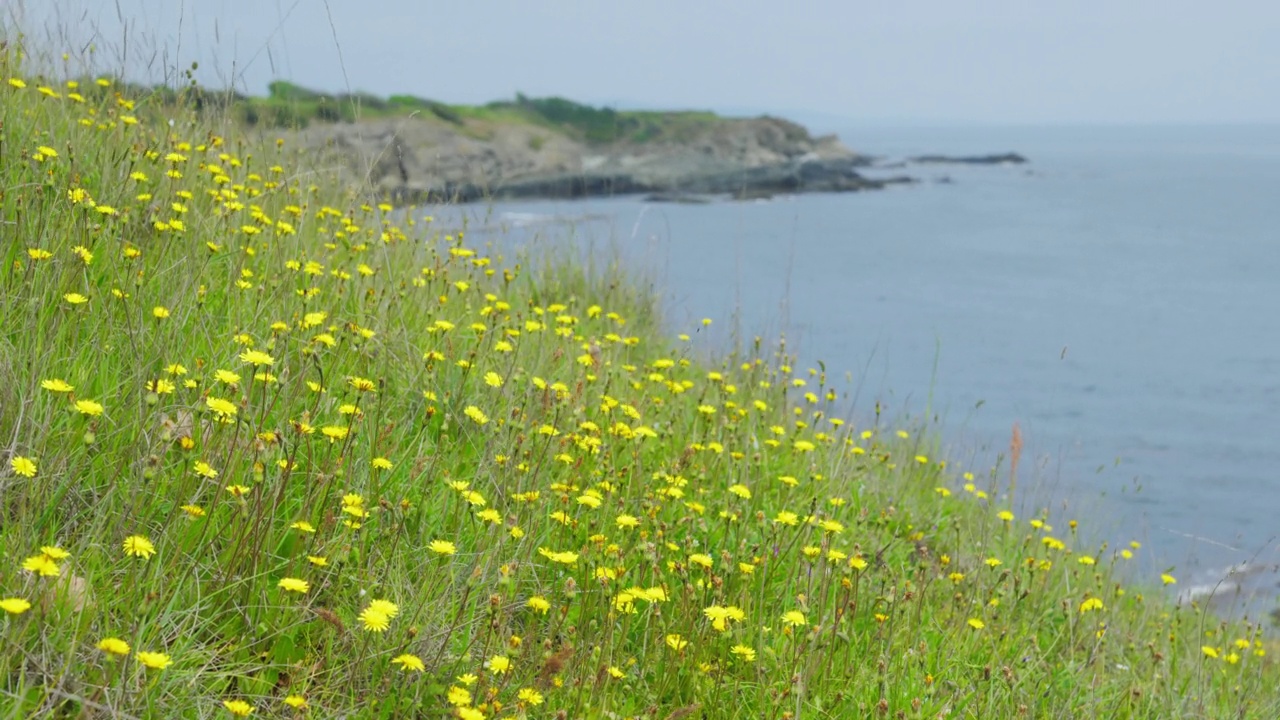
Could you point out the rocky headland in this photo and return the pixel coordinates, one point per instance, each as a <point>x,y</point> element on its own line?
<point>538,149</point>
<point>424,159</point>
<point>413,150</point>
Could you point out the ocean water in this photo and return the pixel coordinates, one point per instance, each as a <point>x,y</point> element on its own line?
<point>1118,298</point>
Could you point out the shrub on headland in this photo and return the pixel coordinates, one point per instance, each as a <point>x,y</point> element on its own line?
<point>272,447</point>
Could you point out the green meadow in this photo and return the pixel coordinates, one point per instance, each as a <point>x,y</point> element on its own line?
<point>270,448</point>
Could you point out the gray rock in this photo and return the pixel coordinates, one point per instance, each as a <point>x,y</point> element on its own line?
<point>994,159</point>
<point>426,160</point>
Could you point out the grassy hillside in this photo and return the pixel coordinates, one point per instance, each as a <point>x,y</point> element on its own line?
<point>290,106</point>
<point>272,449</point>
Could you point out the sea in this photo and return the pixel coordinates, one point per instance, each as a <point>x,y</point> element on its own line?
<point>1117,298</point>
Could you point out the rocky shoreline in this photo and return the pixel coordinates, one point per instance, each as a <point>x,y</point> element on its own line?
<point>747,183</point>
<point>422,159</point>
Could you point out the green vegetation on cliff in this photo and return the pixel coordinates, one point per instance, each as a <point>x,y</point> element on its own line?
<point>290,106</point>
<point>272,449</point>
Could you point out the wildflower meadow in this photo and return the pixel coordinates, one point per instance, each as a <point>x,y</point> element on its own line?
<point>273,448</point>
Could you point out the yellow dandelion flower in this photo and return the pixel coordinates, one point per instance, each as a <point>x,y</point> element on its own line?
<point>976,624</point>
<point>290,584</point>
<point>794,618</point>
<point>56,385</point>
<point>113,646</point>
<point>257,358</point>
<point>41,565</point>
<point>676,642</point>
<point>138,546</point>
<point>334,432</point>
<point>14,606</point>
<point>743,653</point>
<point>442,547</point>
<point>296,702</point>
<point>386,607</point>
<point>89,407</point>
<point>529,696</point>
<point>24,466</point>
<point>565,558</point>
<point>227,377</point>
<point>409,663</point>
<point>224,408</point>
<point>361,384</point>
<point>458,697</point>
<point>499,664</point>
<point>239,708</point>
<point>720,616</point>
<point>374,620</point>
<point>154,660</point>
<point>538,603</point>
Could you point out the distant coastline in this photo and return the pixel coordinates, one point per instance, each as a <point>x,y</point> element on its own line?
<point>414,150</point>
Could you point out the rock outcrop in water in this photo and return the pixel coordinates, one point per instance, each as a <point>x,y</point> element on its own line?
<point>1010,158</point>
<point>424,159</point>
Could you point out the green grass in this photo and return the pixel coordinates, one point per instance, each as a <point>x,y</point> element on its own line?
<point>557,500</point>
<point>290,106</point>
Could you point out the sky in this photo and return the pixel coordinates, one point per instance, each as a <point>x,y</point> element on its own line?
<point>873,61</point>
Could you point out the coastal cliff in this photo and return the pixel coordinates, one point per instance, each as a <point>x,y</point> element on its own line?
<point>516,152</point>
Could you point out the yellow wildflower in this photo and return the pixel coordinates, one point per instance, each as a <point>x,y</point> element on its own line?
<point>139,546</point>
<point>154,660</point>
<point>14,606</point>
<point>113,646</point>
<point>409,663</point>
<point>290,584</point>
